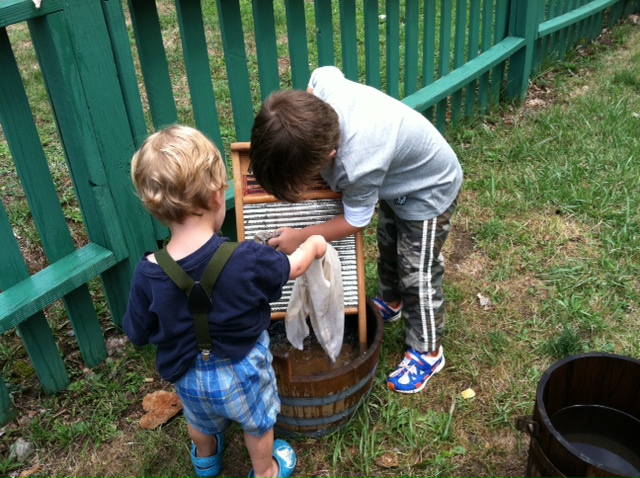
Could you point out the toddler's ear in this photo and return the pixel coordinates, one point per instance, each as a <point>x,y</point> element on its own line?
<point>218,200</point>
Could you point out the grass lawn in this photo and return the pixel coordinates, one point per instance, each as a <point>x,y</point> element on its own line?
<point>542,263</point>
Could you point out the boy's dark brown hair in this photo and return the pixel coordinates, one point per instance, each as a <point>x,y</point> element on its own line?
<point>292,139</point>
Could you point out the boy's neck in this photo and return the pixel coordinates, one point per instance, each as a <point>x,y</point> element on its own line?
<point>191,235</point>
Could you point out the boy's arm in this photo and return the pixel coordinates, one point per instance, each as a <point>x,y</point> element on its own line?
<point>301,259</point>
<point>332,230</point>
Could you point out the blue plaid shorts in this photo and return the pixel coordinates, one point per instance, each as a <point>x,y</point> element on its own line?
<point>221,391</point>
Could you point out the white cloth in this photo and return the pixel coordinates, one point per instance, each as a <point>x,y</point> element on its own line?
<point>318,294</point>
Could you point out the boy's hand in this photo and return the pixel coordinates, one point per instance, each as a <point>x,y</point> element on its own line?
<point>288,240</point>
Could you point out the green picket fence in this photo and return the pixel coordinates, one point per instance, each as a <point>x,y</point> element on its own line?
<point>448,59</point>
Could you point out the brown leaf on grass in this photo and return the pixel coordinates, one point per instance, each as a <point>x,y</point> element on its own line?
<point>388,460</point>
<point>161,406</point>
<point>34,471</point>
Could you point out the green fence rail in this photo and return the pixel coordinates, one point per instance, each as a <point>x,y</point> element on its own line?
<point>109,81</point>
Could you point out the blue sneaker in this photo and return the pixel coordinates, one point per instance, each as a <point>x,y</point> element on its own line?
<point>210,465</point>
<point>388,313</point>
<point>415,370</point>
<point>286,458</point>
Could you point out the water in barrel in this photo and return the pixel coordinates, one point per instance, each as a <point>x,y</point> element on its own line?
<point>604,435</point>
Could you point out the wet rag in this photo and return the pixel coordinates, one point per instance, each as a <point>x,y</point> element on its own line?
<point>318,294</point>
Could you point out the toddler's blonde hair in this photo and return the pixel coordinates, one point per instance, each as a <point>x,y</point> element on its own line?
<point>176,171</point>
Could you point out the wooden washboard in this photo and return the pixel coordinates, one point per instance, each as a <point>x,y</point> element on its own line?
<point>257,211</point>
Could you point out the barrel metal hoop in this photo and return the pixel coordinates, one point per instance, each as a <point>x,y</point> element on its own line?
<point>323,420</point>
<point>319,401</point>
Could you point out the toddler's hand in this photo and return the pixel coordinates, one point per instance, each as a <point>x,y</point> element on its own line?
<point>319,244</point>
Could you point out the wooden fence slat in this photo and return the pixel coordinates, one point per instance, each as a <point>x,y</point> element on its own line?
<point>411,50</point>
<point>34,330</point>
<point>105,110</point>
<point>119,36</point>
<point>372,43</point>
<point>550,45</point>
<point>349,39</point>
<point>392,24</point>
<point>153,62</point>
<point>29,158</point>
<point>459,55</point>
<point>15,11</point>
<point>324,32</point>
<point>500,32</point>
<point>43,352</point>
<point>562,33</point>
<point>572,17</point>
<point>598,26</point>
<point>123,57</point>
<point>23,299</point>
<point>617,10</point>
<point>485,44</point>
<point>236,64</point>
<point>266,47</point>
<point>524,18</point>
<point>474,45</point>
<point>298,49</point>
<point>196,58</point>
<point>446,17</point>
<point>429,48</point>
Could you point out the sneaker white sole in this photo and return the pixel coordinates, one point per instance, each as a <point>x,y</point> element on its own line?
<point>439,367</point>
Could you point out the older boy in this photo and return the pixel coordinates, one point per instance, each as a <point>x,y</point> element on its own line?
<point>374,150</point>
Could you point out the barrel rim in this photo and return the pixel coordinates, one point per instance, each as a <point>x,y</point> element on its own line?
<point>544,415</point>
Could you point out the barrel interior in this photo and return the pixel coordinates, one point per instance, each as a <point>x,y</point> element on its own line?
<point>588,408</point>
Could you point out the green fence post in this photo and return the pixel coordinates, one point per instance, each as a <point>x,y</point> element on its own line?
<point>264,26</point>
<point>526,16</point>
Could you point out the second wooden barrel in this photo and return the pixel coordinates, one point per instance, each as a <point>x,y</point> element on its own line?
<point>586,420</point>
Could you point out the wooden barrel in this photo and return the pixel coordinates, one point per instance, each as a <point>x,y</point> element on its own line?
<point>318,404</point>
<point>586,420</point>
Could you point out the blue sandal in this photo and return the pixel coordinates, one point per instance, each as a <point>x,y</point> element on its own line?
<point>286,458</point>
<point>210,465</point>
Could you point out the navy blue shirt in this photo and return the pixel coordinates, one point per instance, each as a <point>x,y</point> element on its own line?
<point>158,312</point>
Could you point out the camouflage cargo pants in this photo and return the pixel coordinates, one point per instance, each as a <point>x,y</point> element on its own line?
<point>411,269</point>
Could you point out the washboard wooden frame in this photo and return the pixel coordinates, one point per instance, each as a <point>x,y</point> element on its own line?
<point>258,211</point>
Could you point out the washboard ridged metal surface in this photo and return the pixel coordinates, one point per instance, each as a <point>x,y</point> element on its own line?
<point>259,212</point>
